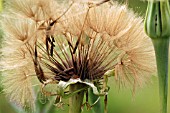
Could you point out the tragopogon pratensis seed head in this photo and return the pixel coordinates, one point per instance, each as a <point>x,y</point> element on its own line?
<point>83,42</point>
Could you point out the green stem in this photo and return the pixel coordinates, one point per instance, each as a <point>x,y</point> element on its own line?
<point>157,27</point>
<point>161,46</point>
<point>75,101</point>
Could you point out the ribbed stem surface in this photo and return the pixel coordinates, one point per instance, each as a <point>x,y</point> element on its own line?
<point>75,102</point>
<point>161,50</point>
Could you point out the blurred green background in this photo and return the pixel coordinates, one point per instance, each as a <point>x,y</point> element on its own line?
<point>146,99</point>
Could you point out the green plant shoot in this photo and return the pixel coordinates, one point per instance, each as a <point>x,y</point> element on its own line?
<point>157,27</point>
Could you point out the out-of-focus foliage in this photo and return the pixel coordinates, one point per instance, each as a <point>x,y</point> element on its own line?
<point>0,5</point>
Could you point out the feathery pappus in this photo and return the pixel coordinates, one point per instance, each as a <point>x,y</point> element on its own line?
<point>82,41</point>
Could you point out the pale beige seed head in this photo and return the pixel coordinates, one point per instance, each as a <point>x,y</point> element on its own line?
<point>115,28</point>
<point>23,9</point>
<point>16,35</point>
<point>37,10</point>
<point>18,87</point>
<point>15,63</point>
<point>73,21</point>
<point>17,69</point>
<point>123,30</point>
<point>22,30</point>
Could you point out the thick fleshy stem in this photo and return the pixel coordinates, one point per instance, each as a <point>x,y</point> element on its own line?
<point>157,27</point>
<point>161,50</point>
<point>76,101</point>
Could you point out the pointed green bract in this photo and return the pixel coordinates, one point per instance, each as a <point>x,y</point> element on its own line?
<point>157,21</point>
<point>157,27</point>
